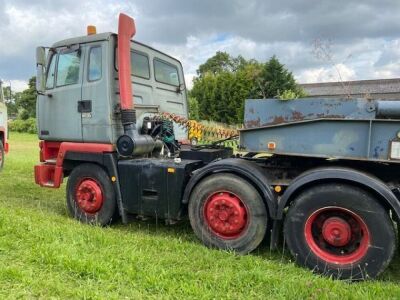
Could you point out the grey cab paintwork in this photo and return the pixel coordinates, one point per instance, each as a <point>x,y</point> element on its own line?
<point>58,115</point>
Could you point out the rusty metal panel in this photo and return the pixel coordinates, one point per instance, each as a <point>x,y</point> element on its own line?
<point>331,128</point>
<point>266,112</point>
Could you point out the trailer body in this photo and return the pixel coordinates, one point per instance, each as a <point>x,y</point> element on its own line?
<point>357,129</point>
<point>324,169</point>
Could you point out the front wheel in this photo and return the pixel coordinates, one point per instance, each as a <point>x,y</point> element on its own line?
<point>90,195</point>
<point>227,212</point>
<point>341,231</point>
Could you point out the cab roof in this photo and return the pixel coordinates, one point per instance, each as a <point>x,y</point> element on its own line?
<point>101,37</point>
<point>84,39</point>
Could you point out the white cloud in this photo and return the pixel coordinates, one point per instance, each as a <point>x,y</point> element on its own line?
<point>18,85</point>
<point>338,72</point>
<point>194,31</point>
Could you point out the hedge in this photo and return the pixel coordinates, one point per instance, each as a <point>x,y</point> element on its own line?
<point>28,126</point>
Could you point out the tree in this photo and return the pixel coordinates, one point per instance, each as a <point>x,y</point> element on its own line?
<point>289,94</point>
<point>274,79</point>
<point>225,82</point>
<point>220,62</point>
<point>204,91</point>
<point>9,100</point>
<point>193,109</point>
<point>26,100</point>
<point>223,62</point>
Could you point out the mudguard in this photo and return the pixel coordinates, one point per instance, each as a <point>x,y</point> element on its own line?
<point>243,168</point>
<point>319,175</point>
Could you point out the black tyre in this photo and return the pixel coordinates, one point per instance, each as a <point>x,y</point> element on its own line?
<point>228,213</point>
<point>340,230</point>
<point>90,195</point>
<point>1,155</point>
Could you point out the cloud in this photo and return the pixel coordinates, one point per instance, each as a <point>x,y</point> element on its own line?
<point>364,35</point>
<point>339,72</point>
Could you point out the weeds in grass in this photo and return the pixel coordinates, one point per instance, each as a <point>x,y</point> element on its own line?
<point>46,254</point>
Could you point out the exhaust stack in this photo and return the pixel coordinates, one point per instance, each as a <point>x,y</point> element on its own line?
<point>131,142</point>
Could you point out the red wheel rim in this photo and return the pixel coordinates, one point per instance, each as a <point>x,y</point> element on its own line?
<point>337,235</point>
<point>225,214</point>
<point>89,195</point>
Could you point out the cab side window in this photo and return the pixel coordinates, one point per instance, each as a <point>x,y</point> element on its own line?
<point>140,65</point>
<point>95,64</point>
<point>51,73</point>
<point>68,68</point>
<point>166,73</point>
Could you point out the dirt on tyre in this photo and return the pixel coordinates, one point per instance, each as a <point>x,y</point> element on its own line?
<point>340,230</point>
<point>1,155</point>
<point>227,212</point>
<point>90,195</point>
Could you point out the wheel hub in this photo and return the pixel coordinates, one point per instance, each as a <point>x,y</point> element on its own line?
<point>89,196</point>
<point>336,231</point>
<point>337,235</point>
<point>225,214</point>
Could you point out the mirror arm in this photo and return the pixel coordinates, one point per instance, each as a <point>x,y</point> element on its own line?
<point>44,94</point>
<point>180,88</point>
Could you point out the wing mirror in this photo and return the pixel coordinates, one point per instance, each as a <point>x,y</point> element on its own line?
<point>40,69</point>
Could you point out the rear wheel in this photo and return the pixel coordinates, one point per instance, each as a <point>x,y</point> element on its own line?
<point>1,155</point>
<point>90,195</point>
<point>340,230</point>
<point>227,212</point>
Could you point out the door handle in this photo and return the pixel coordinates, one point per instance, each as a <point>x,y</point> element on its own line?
<point>85,106</point>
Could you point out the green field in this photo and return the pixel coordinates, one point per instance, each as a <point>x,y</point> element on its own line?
<point>45,254</point>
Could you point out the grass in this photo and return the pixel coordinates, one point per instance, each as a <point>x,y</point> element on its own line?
<point>46,254</point>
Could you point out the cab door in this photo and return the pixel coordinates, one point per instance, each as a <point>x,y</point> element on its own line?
<point>96,107</point>
<point>57,110</point>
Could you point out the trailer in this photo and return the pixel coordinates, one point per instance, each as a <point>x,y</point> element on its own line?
<point>3,127</point>
<point>320,174</point>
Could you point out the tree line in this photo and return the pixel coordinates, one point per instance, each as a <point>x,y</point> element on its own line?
<point>223,83</point>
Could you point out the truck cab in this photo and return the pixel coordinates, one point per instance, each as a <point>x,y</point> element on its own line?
<point>3,127</point>
<point>81,99</point>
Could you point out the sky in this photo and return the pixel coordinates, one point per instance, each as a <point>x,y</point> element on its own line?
<point>318,40</point>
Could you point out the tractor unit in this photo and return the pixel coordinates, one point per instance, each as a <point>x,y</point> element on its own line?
<point>318,174</point>
<point>3,127</point>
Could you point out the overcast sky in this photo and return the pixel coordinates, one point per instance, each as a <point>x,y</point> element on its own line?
<point>363,35</point>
